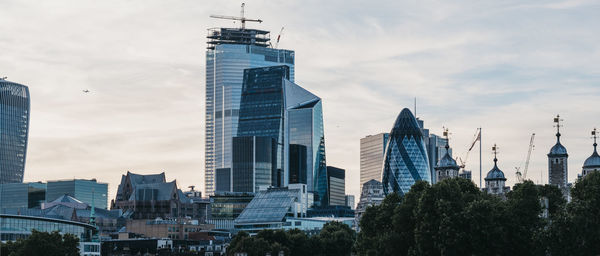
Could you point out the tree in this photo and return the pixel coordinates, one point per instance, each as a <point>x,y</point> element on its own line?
<point>336,238</point>
<point>576,231</point>
<point>44,243</point>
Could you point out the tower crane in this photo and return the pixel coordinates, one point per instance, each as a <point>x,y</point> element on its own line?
<point>522,176</point>
<point>464,162</point>
<point>241,18</point>
<point>279,37</point>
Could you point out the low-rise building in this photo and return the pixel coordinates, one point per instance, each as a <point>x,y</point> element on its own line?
<point>173,229</point>
<point>371,194</point>
<point>15,227</point>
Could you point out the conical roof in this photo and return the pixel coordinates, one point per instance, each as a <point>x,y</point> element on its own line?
<point>558,149</point>
<point>594,160</point>
<point>495,173</point>
<point>406,124</point>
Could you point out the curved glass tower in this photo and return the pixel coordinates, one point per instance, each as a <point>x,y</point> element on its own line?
<point>405,160</point>
<point>14,130</point>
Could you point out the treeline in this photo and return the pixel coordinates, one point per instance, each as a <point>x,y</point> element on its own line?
<point>454,217</point>
<point>42,243</point>
<point>334,239</point>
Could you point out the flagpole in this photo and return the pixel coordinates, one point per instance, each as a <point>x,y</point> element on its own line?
<point>480,158</point>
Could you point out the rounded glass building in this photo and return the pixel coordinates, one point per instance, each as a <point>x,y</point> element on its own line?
<point>405,160</point>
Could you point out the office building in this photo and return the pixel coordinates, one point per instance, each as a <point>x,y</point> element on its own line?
<point>558,172</point>
<point>350,201</point>
<point>405,159</point>
<point>88,191</point>
<point>371,194</point>
<point>337,186</point>
<point>270,208</point>
<point>223,180</point>
<point>254,163</point>
<point>592,163</point>
<point>372,149</point>
<point>14,128</point>
<point>229,52</point>
<point>274,107</point>
<point>21,195</point>
<point>225,207</point>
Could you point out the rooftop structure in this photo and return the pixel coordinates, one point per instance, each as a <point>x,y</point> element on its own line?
<point>495,180</point>
<point>558,172</point>
<point>218,36</point>
<point>592,163</point>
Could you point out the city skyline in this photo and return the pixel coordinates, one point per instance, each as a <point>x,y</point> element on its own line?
<point>470,65</point>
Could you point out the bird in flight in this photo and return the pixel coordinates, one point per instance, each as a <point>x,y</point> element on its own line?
<point>86,91</point>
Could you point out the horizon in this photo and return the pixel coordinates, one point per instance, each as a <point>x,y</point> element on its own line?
<point>499,66</point>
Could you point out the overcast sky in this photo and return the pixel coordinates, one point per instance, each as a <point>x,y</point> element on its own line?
<point>508,66</point>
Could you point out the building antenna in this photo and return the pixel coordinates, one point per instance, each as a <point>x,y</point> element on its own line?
<point>415,107</point>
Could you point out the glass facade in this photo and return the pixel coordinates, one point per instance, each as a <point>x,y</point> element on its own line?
<point>87,191</point>
<point>226,205</point>
<point>337,185</point>
<point>13,227</point>
<point>22,195</point>
<point>14,130</point>
<point>298,162</point>
<point>223,179</point>
<point>254,163</point>
<point>225,64</point>
<point>405,159</point>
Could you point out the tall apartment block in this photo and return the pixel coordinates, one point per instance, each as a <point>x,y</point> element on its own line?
<point>229,52</point>
<point>372,149</point>
<point>14,130</point>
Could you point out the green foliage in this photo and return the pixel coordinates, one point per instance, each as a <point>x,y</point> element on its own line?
<point>43,243</point>
<point>453,217</point>
<point>334,239</point>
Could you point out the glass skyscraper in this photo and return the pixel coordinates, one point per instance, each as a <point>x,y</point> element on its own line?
<point>14,130</point>
<point>405,159</point>
<point>229,52</point>
<point>273,106</point>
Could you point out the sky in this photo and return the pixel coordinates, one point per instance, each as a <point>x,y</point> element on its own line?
<point>506,66</point>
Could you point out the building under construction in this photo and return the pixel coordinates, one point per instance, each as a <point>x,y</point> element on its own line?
<point>229,52</point>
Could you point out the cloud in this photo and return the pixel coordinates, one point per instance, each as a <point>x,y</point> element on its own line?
<point>507,66</point>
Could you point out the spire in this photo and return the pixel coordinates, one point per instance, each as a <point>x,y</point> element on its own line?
<point>447,139</point>
<point>495,149</point>
<point>557,125</point>
<point>595,136</point>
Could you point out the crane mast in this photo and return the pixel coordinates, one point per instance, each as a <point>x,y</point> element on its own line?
<point>522,176</point>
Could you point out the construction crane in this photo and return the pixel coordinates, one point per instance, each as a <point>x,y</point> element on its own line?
<point>241,18</point>
<point>464,162</point>
<point>522,176</point>
<point>279,37</point>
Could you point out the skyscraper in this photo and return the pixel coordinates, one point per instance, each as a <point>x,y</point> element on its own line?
<point>337,185</point>
<point>405,160</point>
<point>372,149</point>
<point>14,130</point>
<point>229,52</point>
<point>273,106</point>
